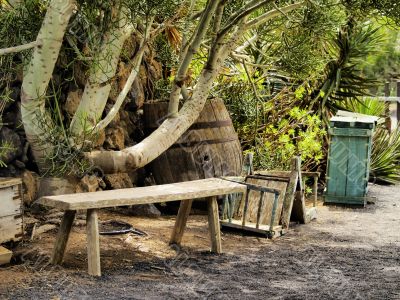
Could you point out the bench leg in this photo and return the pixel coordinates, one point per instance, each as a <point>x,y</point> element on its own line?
<point>62,237</point>
<point>213,225</point>
<point>180,223</point>
<point>93,247</point>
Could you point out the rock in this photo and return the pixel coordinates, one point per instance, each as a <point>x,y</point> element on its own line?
<point>124,71</point>
<point>154,70</point>
<point>145,210</point>
<point>43,229</point>
<point>118,181</point>
<point>143,75</point>
<point>114,92</point>
<point>52,186</point>
<point>137,93</point>
<point>79,73</point>
<point>101,138</point>
<point>72,102</point>
<point>115,138</point>
<point>88,183</point>
<point>116,120</point>
<point>31,184</point>
<point>10,137</point>
<point>19,164</point>
<point>138,177</point>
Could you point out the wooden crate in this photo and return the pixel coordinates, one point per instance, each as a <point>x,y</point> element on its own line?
<point>11,210</point>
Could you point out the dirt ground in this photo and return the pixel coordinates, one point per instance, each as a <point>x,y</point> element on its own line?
<point>345,254</point>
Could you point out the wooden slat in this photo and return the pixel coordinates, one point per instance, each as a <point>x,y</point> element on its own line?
<point>357,167</point>
<point>11,228</point>
<point>144,195</point>
<point>254,200</point>
<point>279,174</point>
<point>5,256</point>
<point>7,182</point>
<point>337,166</point>
<point>263,229</point>
<point>289,199</point>
<point>10,201</point>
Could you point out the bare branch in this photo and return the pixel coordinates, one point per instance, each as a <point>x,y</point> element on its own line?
<point>248,9</point>
<point>274,13</point>
<point>20,48</point>
<point>191,50</point>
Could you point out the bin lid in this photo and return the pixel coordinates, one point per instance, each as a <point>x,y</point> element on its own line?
<point>349,119</point>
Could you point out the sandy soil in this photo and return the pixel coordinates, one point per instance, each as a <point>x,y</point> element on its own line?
<point>345,254</point>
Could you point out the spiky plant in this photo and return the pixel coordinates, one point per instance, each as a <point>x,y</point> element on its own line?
<point>385,157</point>
<point>343,80</point>
<point>385,160</point>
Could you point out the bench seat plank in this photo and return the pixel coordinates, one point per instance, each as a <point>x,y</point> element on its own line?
<point>144,195</point>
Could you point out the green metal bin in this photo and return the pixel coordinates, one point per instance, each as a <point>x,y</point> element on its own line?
<point>349,158</point>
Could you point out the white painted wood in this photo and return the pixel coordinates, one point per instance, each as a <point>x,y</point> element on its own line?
<point>9,203</point>
<point>11,228</point>
<point>145,195</point>
<point>8,182</point>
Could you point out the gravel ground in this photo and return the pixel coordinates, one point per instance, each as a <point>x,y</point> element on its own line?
<point>346,253</point>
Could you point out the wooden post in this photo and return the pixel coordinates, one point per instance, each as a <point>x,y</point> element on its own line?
<point>180,223</point>
<point>93,247</point>
<point>315,190</point>
<point>62,237</point>
<point>213,225</point>
<point>398,103</point>
<point>248,164</point>
<point>388,121</point>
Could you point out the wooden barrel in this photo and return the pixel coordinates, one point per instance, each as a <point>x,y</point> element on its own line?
<point>209,148</point>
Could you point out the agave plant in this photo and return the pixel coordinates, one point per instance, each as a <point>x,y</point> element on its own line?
<point>343,80</point>
<point>385,159</point>
<point>368,106</point>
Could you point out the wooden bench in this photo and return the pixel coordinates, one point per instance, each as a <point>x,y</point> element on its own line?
<point>186,192</point>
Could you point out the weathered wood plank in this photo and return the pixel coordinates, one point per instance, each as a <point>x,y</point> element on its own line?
<point>93,244</point>
<point>213,225</point>
<point>5,256</point>
<point>278,174</point>
<point>10,203</point>
<point>180,222</point>
<point>62,237</point>
<point>7,182</point>
<point>145,195</point>
<point>11,228</point>
<point>289,199</point>
<point>252,227</point>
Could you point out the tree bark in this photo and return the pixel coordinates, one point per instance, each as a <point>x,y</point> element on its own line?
<point>98,87</point>
<point>38,74</point>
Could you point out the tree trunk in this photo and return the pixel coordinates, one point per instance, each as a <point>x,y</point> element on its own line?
<point>39,72</point>
<point>98,87</point>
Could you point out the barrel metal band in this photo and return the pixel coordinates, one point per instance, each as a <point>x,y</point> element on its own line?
<point>204,125</point>
<point>205,142</point>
